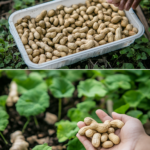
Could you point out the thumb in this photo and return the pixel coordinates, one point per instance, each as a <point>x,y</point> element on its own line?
<point>113,1</point>
<point>121,117</point>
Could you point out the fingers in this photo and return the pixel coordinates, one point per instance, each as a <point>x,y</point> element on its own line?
<point>117,4</point>
<point>121,117</point>
<point>122,4</point>
<point>113,1</point>
<point>81,124</point>
<point>128,4</point>
<point>102,115</point>
<point>135,4</point>
<point>86,143</point>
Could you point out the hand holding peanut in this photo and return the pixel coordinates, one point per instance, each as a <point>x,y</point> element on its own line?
<point>102,134</point>
<point>131,136</point>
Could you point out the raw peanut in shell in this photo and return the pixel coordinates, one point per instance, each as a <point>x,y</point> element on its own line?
<point>72,46</point>
<point>129,27</point>
<point>116,19</point>
<point>90,10</point>
<point>111,130</point>
<point>88,45</point>
<point>104,137</point>
<point>135,30</point>
<point>41,16</point>
<point>114,138</point>
<point>100,36</point>
<point>96,140</point>
<point>101,128</point>
<point>42,58</point>
<point>68,10</point>
<point>57,38</point>
<point>131,33</point>
<point>102,42</point>
<point>48,55</point>
<point>118,34</point>
<point>61,48</point>
<point>110,37</point>
<point>121,12</point>
<point>36,59</point>
<point>107,144</point>
<point>51,13</point>
<point>89,133</point>
<point>117,124</point>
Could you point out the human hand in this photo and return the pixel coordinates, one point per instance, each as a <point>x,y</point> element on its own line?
<point>130,133</point>
<point>125,4</point>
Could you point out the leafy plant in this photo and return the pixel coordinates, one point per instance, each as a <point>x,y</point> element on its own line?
<point>24,83</point>
<point>91,88</point>
<point>42,147</point>
<point>61,88</point>
<point>32,103</point>
<point>3,122</point>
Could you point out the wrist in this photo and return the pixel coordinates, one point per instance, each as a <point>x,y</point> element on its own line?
<point>143,143</point>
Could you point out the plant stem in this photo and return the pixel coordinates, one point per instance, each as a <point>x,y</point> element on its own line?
<point>59,109</point>
<point>25,125</point>
<point>36,122</point>
<point>3,138</point>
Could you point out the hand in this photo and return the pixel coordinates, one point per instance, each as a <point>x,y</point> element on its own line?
<point>125,4</point>
<point>130,134</point>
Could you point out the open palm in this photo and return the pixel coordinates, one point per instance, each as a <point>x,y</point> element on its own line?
<point>129,134</point>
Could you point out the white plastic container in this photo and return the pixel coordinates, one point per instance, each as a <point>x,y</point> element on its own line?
<point>67,60</point>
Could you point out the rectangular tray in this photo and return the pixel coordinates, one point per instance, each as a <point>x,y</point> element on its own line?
<point>71,59</point>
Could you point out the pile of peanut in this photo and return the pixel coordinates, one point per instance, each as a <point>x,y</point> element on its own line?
<point>68,30</point>
<point>102,134</point>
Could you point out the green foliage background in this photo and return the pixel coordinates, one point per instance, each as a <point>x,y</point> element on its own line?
<point>128,90</point>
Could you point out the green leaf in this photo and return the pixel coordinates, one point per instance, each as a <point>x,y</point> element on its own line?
<point>133,98</point>
<point>145,89</point>
<point>77,115</point>
<point>33,103</point>
<point>118,103</point>
<point>140,64</point>
<point>3,101</point>
<point>17,74</point>
<point>143,57</point>
<point>144,104</point>
<point>3,119</point>
<point>91,88</point>
<point>127,66</point>
<point>64,128</point>
<point>42,147</point>
<point>118,81</point>
<point>34,81</point>
<point>72,133</point>
<point>60,88</point>
<point>72,75</point>
<point>75,144</point>
<point>144,119</point>
<point>122,109</point>
<point>86,105</point>
<point>148,113</point>
<point>135,113</point>
<point>145,40</point>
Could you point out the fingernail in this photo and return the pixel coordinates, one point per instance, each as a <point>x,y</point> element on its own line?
<point>109,1</point>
